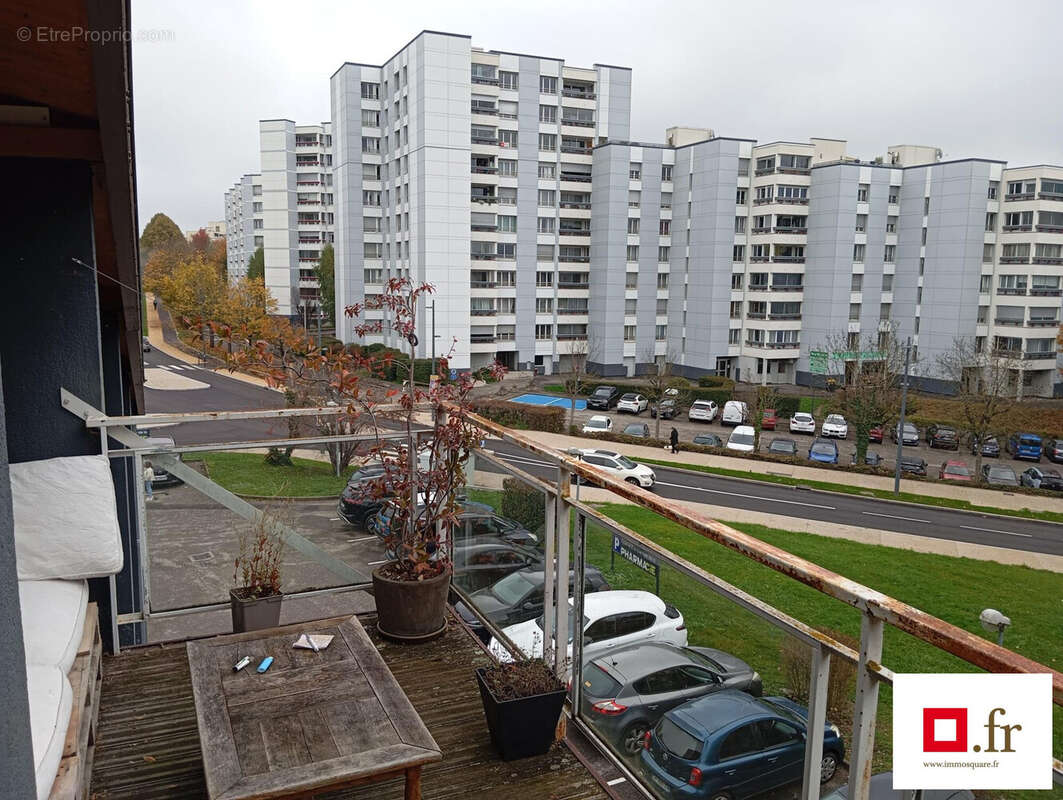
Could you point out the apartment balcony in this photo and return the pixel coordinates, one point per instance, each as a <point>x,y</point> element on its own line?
<point>490,111</point>
<point>484,170</point>
<point>794,170</point>
<point>574,259</point>
<point>1050,228</point>
<point>1050,196</point>
<point>1047,292</point>
<point>488,140</point>
<point>482,338</point>
<point>1043,322</point>
<point>577,205</point>
<point>308,183</point>
<point>788,259</point>
<point>571,311</point>
<point>571,337</point>
<point>1046,260</point>
<point>1017,292</point>
<point>309,239</point>
<point>484,199</point>
<point>1009,198</point>
<point>482,312</point>
<point>314,163</point>
<point>1008,321</point>
<point>308,202</point>
<point>1016,228</point>
<point>474,284</point>
<point>483,228</point>
<point>784,317</point>
<point>760,231</point>
<point>787,287</point>
<point>573,285</point>
<point>759,260</point>
<point>579,94</point>
<point>772,345</point>
<point>795,231</point>
<point>799,201</point>
<point>577,123</point>
<point>575,177</point>
<point>574,232</point>
<point>481,80</point>
<point>754,315</point>
<point>1040,355</point>
<point>764,171</point>
<point>576,150</point>
<point>757,287</point>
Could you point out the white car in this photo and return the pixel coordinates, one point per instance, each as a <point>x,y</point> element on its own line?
<point>632,403</point>
<point>835,426</point>
<point>611,619</point>
<point>741,439</point>
<point>598,424</point>
<point>703,411</point>
<point>619,467</point>
<point>802,423</point>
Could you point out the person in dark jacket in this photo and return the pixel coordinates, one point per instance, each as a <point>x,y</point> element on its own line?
<point>673,439</point>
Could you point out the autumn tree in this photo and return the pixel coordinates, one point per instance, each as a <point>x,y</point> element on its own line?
<point>256,265</point>
<point>200,241</point>
<point>191,288</point>
<point>161,232</point>
<point>984,381</point>
<point>325,272</point>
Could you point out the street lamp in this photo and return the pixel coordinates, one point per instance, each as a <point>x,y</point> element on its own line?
<point>992,620</point>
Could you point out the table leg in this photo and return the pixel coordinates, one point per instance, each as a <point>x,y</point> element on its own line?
<point>413,784</point>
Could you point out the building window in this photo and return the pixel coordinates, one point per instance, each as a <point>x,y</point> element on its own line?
<point>548,142</point>
<point>544,332</point>
<point>629,333</point>
<point>633,226</point>
<point>547,198</point>
<point>370,144</point>
<point>666,199</point>
<point>507,80</point>
<point>858,253</point>
<point>660,332</point>
<point>507,167</point>
<point>507,138</point>
<point>740,224</point>
<point>666,172</point>
<point>506,277</point>
<point>631,280</point>
<point>544,279</point>
<point>1019,219</point>
<point>634,171</point>
<point>891,254</point>
<point>854,312</point>
<point>632,252</point>
<point>861,223</point>
<point>740,197</point>
<point>887,283</point>
<point>986,284</point>
<point>259,241</point>
<point>544,252</point>
<point>507,224</point>
<point>736,281</point>
<point>862,192</point>
<point>664,254</point>
<point>547,84</point>
<point>548,114</point>
<point>994,187</point>
<point>662,280</point>
<point>891,224</point>
<point>544,305</point>
<point>991,221</point>
<point>370,91</point>
<point>884,311</point>
<point>547,171</point>
<point>373,275</point>
<point>738,253</point>
<point>630,306</point>
<point>666,227</point>
<point>545,225</point>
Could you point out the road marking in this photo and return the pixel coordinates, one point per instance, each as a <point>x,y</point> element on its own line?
<point>333,519</point>
<point>891,516</point>
<point>375,563</point>
<point>522,460</point>
<point>615,781</point>
<point>747,496</point>
<point>363,539</point>
<point>994,530</point>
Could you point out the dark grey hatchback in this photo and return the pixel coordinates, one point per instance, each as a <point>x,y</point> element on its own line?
<point>627,691</point>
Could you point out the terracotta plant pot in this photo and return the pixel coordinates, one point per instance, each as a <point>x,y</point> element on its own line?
<point>523,727</point>
<point>411,611</point>
<point>256,613</point>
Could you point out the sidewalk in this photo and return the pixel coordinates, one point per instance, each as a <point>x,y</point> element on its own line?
<point>981,497</point>
<point>158,341</point>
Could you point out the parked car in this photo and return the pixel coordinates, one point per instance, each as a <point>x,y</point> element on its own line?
<point>668,408</point>
<point>162,478</point>
<point>626,691</point>
<point>768,420</point>
<point>597,424</point>
<point>783,447</point>
<point>871,458</point>
<point>474,521</point>
<point>835,427</point>
<point>604,398</point>
<point>882,789</point>
<point>484,561</point>
<point>913,465</point>
<point>823,450</point>
<point>876,433</point>
<point>619,466</point>
<point>911,433</point>
<point>640,429</point>
<point>1054,450</point>
<point>1025,446</point>
<point>999,475</point>
<point>632,403</point>
<point>989,446</point>
<point>356,503</point>
<point>955,471</point>
<point>702,411</point>
<point>145,345</point>
<point>708,440</point>
<point>611,619</point>
<point>802,422</point>
<point>730,744</point>
<point>944,436</point>
<point>516,598</point>
<point>742,439</point>
<point>1042,478</point>
<point>735,412</point>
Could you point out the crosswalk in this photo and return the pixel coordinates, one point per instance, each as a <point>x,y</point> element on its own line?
<point>176,367</point>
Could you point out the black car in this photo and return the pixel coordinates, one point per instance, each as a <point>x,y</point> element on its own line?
<point>668,409</point>
<point>989,446</point>
<point>517,598</point>
<point>871,458</point>
<point>783,447</point>
<point>708,440</point>
<point>356,503</point>
<point>999,475</point>
<point>604,398</point>
<point>942,436</point>
<point>913,465</point>
<point>476,522</point>
<point>640,429</point>
<point>1042,478</point>
<point>484,561</point>
<point>626,692</point>
<point>1054,450</point>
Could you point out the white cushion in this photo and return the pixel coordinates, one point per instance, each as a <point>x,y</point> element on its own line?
<point>51,699</point>
<point>53,618</point>
<point>66,518</point>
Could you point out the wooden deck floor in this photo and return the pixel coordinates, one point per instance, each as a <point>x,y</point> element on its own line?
<point>148,745</point>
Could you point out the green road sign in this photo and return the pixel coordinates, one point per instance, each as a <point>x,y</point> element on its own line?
<point>817,362</point>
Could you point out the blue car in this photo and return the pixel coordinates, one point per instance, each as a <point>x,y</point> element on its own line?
<point>824,451</point>
<point>1025,445</point>
<point>732,744</point>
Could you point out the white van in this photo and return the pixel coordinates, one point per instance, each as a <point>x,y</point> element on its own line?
<point>735,412</point>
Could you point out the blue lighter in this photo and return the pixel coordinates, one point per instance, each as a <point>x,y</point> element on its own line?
<point>265,664</point>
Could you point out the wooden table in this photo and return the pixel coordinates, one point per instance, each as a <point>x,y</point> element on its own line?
<point>313,722</point>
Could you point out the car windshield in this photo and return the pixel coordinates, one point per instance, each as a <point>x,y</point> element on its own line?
<point>604,390</point>
<point>803,417</point>
<point>598,683</point>
<point>701,404</point>
<point>834,419</point>
<point>704,660</point>
<point>512,588</point>
<point>706,439</point>
<point>823,449</point>
<point>782,447</point>
<point>957,469</point>
<point>540,621</point>
<point>1003,473</point>
<point>1030,441</point>
<point>626,462</point>
<point>1050,473</point>
<point>598,422</point>
<point>628,396</point>
<point>782,711</point>
<point>634,430</point>
<point>741,438</point>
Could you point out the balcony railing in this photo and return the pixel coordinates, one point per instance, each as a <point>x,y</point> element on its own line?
<point>1046,291</point>
<point>578,94</point>
<point>773,345</point>
<point>759,259</point>
<point>573,204</point>
<point>784,317</point>
<point>1047,260</point>
<point>758,287</point>
<point>787,287</point>
<point>482,312</point>
<point>1008,321</point>
<point>788,259</point>
<point>477,139</point>
<point>577,177</point>
<point>481,338</point>
<point>1016,228</point>
<point>485,170</point>
<point>571,337</point>
<point>484,81</point>
<point>757,231</point>
<point>483,198</point>
<point>1043,322</point>
<point>794,170</point>
<point>763,171</point>
<point>571,148</point>
<point>1020,196</point>
<point>754,315</point>
<point>482,284</point>
<point>480,228</point>
<point>571,259</point>
<point>1014,259</point>
<point>801,201</point>
<point>575,231</point>
<point>578,123</point>
<point>573,285</point>
<point>571,310</point>
<point>1011,290</point>
<point>489,110</point>
<point>777,229</point>
<point>1050,228</point>
<point>482,256</point>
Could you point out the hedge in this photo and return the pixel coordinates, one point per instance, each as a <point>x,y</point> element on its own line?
<point>524,504</point>
<point>716,382</point>
<point>519,415</point>
<point>787,406</point>
<point>720,396</point>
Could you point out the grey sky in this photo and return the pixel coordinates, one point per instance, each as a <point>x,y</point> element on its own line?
<point>974,78</point>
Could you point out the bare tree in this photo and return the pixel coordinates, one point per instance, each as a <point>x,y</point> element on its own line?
<point>581,353</point>
<point>759,399</point>
<point>984,380</point>
<point>869,392</point>
<point>662,383</point>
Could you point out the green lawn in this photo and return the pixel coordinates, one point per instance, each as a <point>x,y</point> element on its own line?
<point>954,589</point>
<point>885,494</point>
<point>248,473</point>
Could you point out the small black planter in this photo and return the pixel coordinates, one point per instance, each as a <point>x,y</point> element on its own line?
<point>524,727</point>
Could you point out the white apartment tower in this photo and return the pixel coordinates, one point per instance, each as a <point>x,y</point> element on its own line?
<point>243,224</point>
<point>471,170</point>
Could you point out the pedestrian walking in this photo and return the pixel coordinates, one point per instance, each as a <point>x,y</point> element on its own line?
<point>155,303</point>
<point>673,439</point>
<point>149,477</point>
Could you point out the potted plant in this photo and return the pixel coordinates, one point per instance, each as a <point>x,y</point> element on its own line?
<point>522,703</point>
<point>255,600</point>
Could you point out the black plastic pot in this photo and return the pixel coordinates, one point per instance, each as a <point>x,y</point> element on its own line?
<point>255,614</point>
<point>524,727</point>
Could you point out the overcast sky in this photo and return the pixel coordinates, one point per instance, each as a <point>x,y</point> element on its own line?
<point>974,78</point>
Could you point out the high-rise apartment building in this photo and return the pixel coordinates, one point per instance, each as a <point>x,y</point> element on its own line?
<point>243,224</point>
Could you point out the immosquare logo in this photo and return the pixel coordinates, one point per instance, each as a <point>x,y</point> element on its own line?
<point>972,731</point>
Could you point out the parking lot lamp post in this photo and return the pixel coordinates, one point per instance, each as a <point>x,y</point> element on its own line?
<point>900,425</point>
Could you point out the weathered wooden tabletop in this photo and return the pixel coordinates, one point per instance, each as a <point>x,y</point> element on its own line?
<point>313,722</point>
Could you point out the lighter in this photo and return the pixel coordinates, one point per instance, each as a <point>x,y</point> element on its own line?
<point>243,662</point>
<point>265,663</point>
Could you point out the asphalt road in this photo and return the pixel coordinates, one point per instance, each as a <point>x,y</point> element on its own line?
<point>226,393</point>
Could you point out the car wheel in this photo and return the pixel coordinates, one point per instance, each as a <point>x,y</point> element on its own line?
<point>631,738</point>
<point>634,481</point>
<point>721,796</point>
<point>827,767</point>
